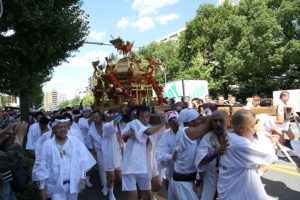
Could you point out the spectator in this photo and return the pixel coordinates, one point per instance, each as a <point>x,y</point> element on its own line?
<point>220,100</point>
<point>254,103</point>
<point>196,102</point>
<point>232,101</point>
<point>10,154</point>
<point>208,99</point>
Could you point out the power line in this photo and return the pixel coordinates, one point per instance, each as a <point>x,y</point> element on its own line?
<point>105,44</point>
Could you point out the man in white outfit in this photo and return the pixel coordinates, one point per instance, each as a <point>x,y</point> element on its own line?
<point>191,131</point>
<point>135,169</point>
<point>212,145</point>
<point>165,153</point>
<point>239,176</point>
<point>35,131</point>
<point>63,164</point>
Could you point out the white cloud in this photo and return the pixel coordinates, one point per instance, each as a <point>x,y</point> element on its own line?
<point>233,2</point>
<point>143,23</point>
<point>123,23</point>
<point>56,81</point>
<point>150,6</point>
<point>163,19</point>
<point>86,60</point>
<point>97,35</point>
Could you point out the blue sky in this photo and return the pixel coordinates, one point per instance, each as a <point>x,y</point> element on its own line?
<point>141,21</point>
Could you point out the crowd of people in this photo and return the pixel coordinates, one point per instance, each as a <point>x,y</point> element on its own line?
<point>197,156</point>
<point>187,102</point>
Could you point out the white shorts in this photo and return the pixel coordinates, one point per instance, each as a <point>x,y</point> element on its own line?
<point>66,195</point>
<point>129,182</point>
<point>113,169</point>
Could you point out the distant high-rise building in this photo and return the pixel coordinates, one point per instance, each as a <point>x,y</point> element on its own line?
<point>53,99</point>
<point>61,98</point>
<point>81,92</point>
<point>173,36</point>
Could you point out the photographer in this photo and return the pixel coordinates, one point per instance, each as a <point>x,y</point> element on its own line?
<point>11,140</point>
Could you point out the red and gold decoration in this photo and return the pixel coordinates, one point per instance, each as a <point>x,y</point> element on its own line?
<point>125,79</point>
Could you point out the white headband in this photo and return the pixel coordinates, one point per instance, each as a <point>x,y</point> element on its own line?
<point>59,121</point>
<point>111,114</point>
<point>87,108</point>
<point>170,115</point>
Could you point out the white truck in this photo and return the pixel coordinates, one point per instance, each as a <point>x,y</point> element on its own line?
<point>186,87</point>
<point>294,100</point>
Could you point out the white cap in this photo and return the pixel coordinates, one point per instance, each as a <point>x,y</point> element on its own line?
<point>187,115</point>
<point>170,114</point>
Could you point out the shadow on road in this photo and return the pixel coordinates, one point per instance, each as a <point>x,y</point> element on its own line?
<point>279,190</point>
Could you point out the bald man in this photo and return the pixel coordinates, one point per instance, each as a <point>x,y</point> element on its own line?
<point>212,145</point>
<point>239,176</point>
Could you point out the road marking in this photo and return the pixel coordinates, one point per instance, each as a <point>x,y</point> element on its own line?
<point>285,171</point>
<point>159,197</point>
<point>283,166</point>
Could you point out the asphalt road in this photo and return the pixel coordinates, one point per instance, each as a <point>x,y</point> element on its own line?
<point>281,182</point>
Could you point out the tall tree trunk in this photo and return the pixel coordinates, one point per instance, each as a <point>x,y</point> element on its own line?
<point>24,98</point>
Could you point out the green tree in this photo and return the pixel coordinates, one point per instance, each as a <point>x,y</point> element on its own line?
<point>88,100</point>
<point>4,100</point>
<point>250,48</point>
<point>198,40</point>
<point>45,35</point>
<point>36,96</point>
<point>75,102</point>
<point>64,104</point>
<point>259,50</point>
<point>167,52</point>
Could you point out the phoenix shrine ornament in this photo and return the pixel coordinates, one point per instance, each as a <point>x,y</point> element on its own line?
<point>125,80</point>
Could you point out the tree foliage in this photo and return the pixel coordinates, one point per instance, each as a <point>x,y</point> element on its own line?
<point>4,100</point>
<point>88,100</point>
<point>75,102</point>
<point>45,35</point>
<point>250,48</point>
<point>167,52</point>
<point>64,104</point>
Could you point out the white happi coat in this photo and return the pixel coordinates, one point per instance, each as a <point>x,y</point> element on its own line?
<point>208,144</point>
<point>134,158</point>
<point>269,123</point>
<point>111,152</point>
<point>151,152</point>
<point>49,167</point>
<point>84,127</point>
<point>186,153</point>
<point>33,135</point>
<point>38,148</point>
<point>76,132</point>
<point>94,140</point>
<point>239,177</point>
<point>263,139</point>
<point>165,151</point>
